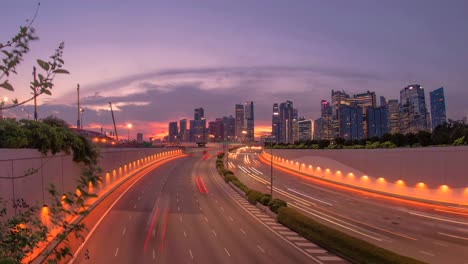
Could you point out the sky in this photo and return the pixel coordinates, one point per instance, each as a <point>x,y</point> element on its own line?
<point>157,61</point>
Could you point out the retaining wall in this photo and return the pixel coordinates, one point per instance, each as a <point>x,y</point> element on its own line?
<point>436,173</point>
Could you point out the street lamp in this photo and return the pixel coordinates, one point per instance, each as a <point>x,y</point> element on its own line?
<point>81,117</point>
<point>4,100</point>
<point>244,133</point>
<point>271,167</point>
<point>27,111</point>
<point>129,126</point>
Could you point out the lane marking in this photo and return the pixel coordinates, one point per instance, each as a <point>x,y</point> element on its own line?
<point>261,249</point>
<point>310,197</point>
<point>191,255</point>
<point>449,235</point>
<point>185,234</point>
<point>438,218</point>
<point>451,212</point>
<point>123,231</point>
<point>116,252</point>
<point>427,253</point>
<point>440,244</point>
<point>206,219</point>
<point>243,232</point>
<point>154,254</point>
<point>230,218</point>
<point>328,220</point>
<point>153,220</point>
<point>227,252</point>
<point>214,233</point>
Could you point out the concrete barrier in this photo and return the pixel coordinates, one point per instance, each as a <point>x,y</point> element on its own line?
<point>61,171</point>
<point>435,174</point>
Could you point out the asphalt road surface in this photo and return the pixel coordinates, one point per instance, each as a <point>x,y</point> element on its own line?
<point>431,233</point>
<point>182,212</point>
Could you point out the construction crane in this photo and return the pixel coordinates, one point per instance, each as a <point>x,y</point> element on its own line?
<point>113,120</point>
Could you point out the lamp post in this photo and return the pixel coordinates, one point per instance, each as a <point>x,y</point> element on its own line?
<point>81,117</point>
<point>4,100</point>
<point>27,111</point>
<point>271,167</point>
<point>129,126</point>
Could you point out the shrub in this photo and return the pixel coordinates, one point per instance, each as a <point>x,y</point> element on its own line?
<point>265,200</point>
<point>230,177</point>
<point>356,250</point>
<point>241,186</point>
<point>254,196</point>
<point>276,204</point>
<point>226,171</point>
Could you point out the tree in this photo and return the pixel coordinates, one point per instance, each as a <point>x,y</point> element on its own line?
<point>424,138</point>
<point>22,232</point>
<point>12,54</point>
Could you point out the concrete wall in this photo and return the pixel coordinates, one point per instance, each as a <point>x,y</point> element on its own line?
<point>62,171</point>
<point>442,170</point>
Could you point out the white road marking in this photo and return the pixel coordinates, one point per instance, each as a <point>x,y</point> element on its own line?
<point>440,244</point>
<point>427,253</point>
<point>230,218</point>
<point>178,208</point>
<point>315,251</point>
<point>123,231</point>
<point>206,219</point>
<point>191,255</point>
<point>227,252</point>
<point>214,233</point>
<point>134,207</point>
<point>180,218</point>
<point>243,232</point>
<point>438,218</point>
<point>154,254</point>
<point>449,235</point>
<point>185,234</point>
<point>310,197</point>
<point>130,217</point>
<point>261,249</point>
<point>116,252</point>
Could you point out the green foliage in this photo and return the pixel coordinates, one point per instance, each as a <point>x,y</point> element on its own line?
<point>253,196</point>
<point>19,234</point>
<point>276,204</point>
<point>265,200</point>
<point>241,186</point>
<point>355,249</point>
<point>12,134</point>
<point>230,177</point>
<point>459,141</point>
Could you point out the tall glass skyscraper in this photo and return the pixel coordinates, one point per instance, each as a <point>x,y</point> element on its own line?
<point>239,114</point>
<point>249,121</point>
<point>377,122</point>
<point>275,123</point>
<point>413,111</point>
<point>438,115</point>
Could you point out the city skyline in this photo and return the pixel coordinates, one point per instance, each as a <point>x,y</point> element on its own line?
<point>167,60</point>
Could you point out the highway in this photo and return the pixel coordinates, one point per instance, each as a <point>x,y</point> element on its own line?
<point>431,233</point>
<point>183,212</point>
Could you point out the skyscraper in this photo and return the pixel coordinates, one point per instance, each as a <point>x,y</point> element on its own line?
<point>199,114</point>
<point>326,127</point>
<point>413,111</point>
<point>377,122</point>
<point>351,122</point>
<point>339,99</point>
<point>229,126</point>
<point>249,121</point>
<point>275,123</point>
<point>438,115</point>
<point>363,100</point>
<point>393,116</point>
<point>173,132</point>
<point>318,131</point>
<point>239,113</point>
<point>306,129</point>
<point>216,130</point>
<point>286,114</point>
<point>198,126</point>
<point>183,132</point>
